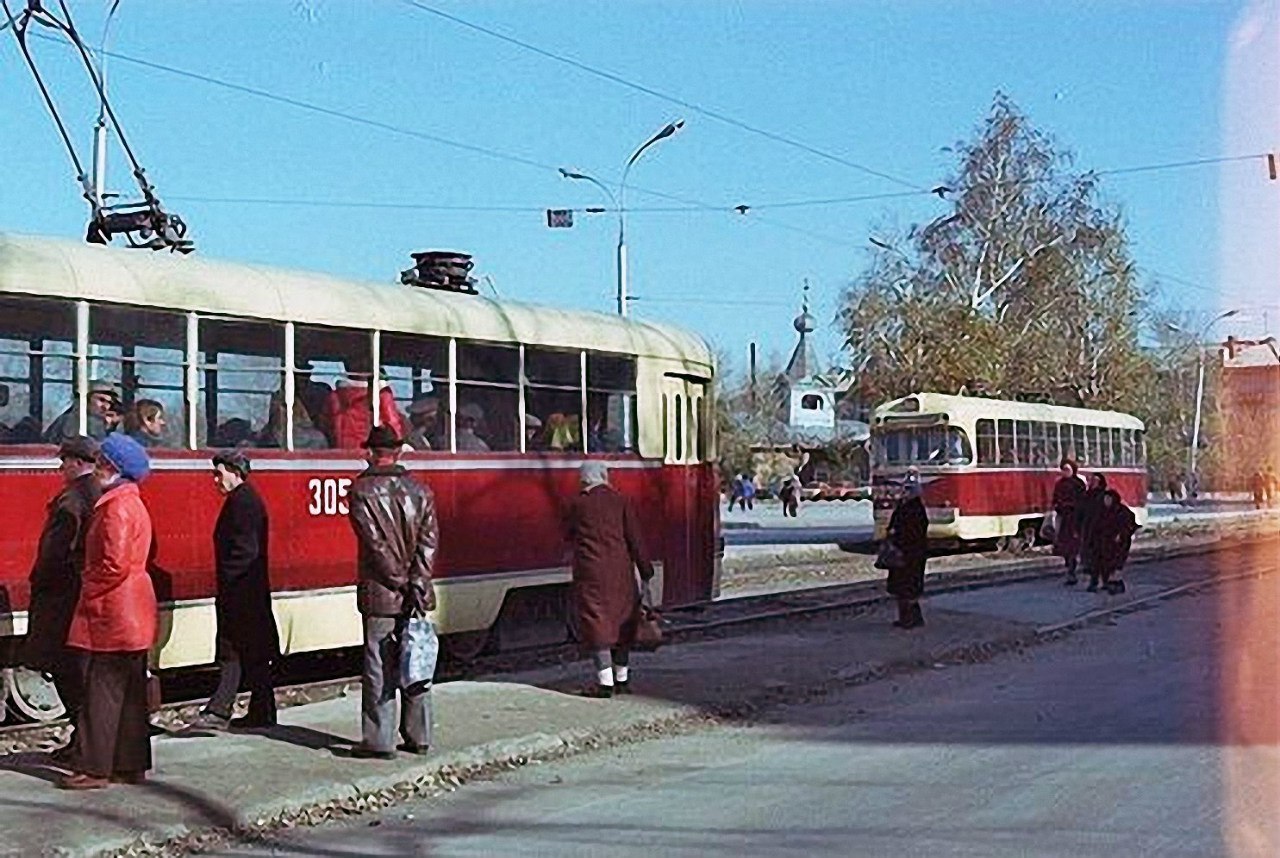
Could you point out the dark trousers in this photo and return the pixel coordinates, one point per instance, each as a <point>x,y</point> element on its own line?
<point>378,685</point>
<point>257,676</point>
<point>112,735</point>
<point>68,680</point>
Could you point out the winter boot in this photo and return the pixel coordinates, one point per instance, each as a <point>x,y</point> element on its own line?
<point>917,616</point>
<point>904,615</point>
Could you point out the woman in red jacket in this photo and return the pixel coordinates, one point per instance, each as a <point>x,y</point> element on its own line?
<point>115,625</point>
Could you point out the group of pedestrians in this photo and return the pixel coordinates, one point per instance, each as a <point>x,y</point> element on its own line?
<point>1092,529</point>
<point>93,611</point>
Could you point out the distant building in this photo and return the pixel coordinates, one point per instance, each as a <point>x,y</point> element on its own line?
<point>1249,407</point>
<point>811,418</point>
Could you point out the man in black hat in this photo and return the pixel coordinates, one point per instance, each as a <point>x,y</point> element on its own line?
<point>247,640</point>
<point>55,576</point>
<point>394,519</point>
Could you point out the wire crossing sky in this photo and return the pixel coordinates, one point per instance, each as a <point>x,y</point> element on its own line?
<point>340,136</point>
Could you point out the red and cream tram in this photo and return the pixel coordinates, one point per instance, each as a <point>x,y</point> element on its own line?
<point>509,398</point>
<point>988,466</point>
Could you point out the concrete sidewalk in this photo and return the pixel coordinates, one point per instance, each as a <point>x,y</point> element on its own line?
<point>206,787</point>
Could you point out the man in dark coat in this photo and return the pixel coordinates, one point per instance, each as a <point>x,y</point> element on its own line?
<point>1067,496</point>
<point>909,533</point>
<point>247,640</point>
<point>55,576</point>
<point>394,519</point>
<point>607,549</point>
<point>1087,512</point>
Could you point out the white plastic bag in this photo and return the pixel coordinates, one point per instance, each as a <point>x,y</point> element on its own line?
<point>419,648</point>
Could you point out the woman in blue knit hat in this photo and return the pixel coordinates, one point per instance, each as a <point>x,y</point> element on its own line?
<point>115,625</point>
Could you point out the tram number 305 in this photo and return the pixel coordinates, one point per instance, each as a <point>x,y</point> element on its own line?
<point>328,497</point>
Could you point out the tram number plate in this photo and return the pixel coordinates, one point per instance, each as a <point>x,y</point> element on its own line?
<point>328,497</point>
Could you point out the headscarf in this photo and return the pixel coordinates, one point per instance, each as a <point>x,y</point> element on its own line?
<point>594,474</point>
<point>911,486</point>
<point>126,456</point>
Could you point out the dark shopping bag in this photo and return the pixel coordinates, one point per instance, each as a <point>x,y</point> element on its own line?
<point>649,624</point>
<point>890,557</point>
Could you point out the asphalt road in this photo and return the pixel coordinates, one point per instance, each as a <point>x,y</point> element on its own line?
<point>1101,744</point>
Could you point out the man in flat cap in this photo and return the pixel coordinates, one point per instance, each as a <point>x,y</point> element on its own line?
<point>104,415</point>
<point>247,641</point>
<point>55,575</point>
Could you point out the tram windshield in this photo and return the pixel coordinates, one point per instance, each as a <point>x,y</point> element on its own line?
<point>922,445</point>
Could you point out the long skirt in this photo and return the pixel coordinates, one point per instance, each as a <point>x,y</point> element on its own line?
<point>907,581</point>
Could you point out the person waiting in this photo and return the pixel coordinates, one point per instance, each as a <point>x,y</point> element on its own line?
<point>103,411</point>
<point>348,413</point>
<point>145,423</point>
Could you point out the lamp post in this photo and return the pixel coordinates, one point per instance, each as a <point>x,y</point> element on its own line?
<point>620,203</point>
<point>1195,426</point>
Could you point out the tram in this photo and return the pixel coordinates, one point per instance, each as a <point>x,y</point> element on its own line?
<point>507,400</point>
<point>988,466</point>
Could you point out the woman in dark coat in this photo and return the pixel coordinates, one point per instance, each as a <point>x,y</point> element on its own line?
<point>1067,495</point>
<point>1112,537</point>
<point>909,533</point>
<point>607,549</point>
<point>247,641</point>
<point>1090,507</point>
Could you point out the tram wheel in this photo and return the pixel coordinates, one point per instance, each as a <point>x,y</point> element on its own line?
<point>32,695</point>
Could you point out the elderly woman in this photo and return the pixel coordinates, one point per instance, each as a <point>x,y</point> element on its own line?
<point>1068,493</point>
<point>607,549</point>
<point>115,625</point>
<point>909,533</point>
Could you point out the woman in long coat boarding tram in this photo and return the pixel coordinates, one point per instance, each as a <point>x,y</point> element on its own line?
<point>1067,496</point>
<point>909,534</point>
<point>607,551</point>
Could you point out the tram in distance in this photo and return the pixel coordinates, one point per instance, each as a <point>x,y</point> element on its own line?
<point>988,466</point>
<point>503,402</point>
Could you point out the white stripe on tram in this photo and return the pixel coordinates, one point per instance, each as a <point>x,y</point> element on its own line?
<point>29,463</point>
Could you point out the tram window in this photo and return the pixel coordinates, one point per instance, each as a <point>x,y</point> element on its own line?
<point>986,432</point>
<point>1005,435</point>
<point>611,403</point>
<point>1052,444</point>
<point>704,428</point>
<point>679,429</point>
<point>1127,457</point>
<point>1117,447</point>
<point>553,398</point>
<point>143,352</point>
<point>1140,448</point>
<point>37,339</point>
<point>417,369</point>
<point>243,364</point>
<point>1067,445</point>
<point>1039,453</point>
<point>488,398</point>
<point>1022,439</point>
<point>1081,439</point>
<point>666,438</point>
<point>331,379</point>
<point>691,426</point>
<point>1096,456</point>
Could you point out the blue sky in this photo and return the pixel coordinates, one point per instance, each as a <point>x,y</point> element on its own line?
<point>881,84</point>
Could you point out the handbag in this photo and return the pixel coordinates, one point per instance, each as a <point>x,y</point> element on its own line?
<point>649,623</point>
<point>419,648</point>
<point>1049,527</point>
<point>890,557</point>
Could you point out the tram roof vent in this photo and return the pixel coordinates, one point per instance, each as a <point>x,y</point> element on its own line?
<point>446,270</point>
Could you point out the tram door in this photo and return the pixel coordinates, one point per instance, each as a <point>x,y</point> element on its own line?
<point>685,406</point>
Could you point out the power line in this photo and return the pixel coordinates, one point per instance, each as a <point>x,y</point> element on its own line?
<point>672,99</point>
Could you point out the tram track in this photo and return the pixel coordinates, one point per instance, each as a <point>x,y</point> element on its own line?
<point>734,615</point>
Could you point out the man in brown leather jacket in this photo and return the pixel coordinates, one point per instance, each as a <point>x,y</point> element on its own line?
<point>394,519</point>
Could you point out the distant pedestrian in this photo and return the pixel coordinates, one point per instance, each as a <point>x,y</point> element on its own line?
<point>394,519</point>
<point>115,625</point>
<point>909,534</point>
<point>247,642</point>
<point>790,496</point>
<point>1113,537</point>
<point>748,492</point>
<point>608,550</point>
<point>1272,484</point>
<point>1067,495</point>
<point>735,491</point>
<point>55,579</point>
<point>1258,485</point>
<point>1087,512</point>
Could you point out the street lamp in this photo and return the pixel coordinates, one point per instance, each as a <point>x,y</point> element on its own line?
<point>620,203</point>
<point>1200,338</point>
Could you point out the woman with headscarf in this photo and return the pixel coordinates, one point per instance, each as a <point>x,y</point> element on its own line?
<point>607,550</point>
<point>1087,512</point>
<point>1112,537</point>
<point>909,533</point>
<point>1067,495</point>
<point>115,625</point>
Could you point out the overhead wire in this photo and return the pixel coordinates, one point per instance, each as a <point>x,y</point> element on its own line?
<point>664,96</point>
